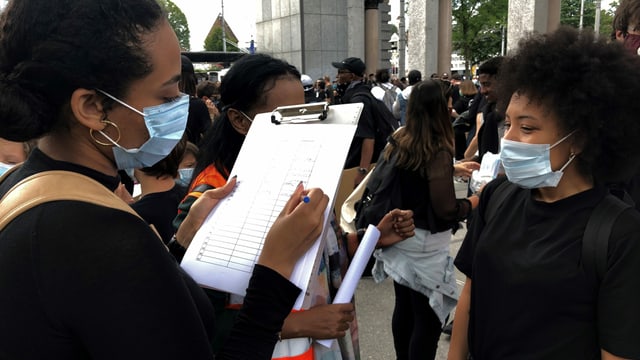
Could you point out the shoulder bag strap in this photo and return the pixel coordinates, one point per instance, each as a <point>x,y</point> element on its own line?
<point>56,185</point>
<point>595,241</point>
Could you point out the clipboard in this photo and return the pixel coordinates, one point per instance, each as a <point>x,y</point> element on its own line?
<point>309,146</point>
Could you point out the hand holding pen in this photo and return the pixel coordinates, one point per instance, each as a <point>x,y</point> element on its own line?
<point>295,230</point>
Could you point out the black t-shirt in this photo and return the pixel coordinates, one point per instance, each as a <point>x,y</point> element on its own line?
<point>82,281</point>
<point>531,297</point>
<point>366,124</point>
<point>159,209</point>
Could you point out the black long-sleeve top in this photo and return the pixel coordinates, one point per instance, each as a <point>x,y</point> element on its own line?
<point>433,198</point>
<point>81,281</point>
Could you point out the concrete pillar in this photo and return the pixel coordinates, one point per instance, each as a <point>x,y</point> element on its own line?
<point>402,42</point>
<point>371,32</point>
<point>444,40</point>
<point>355,35</point>
<point>526,16</point>
<point>553,15</point>
<point>423,34</point>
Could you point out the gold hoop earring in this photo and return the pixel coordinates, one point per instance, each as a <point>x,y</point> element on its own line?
<point>103,143</point>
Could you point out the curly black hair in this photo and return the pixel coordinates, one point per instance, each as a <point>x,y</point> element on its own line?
<point>591,86</point>
<point>48,49</point>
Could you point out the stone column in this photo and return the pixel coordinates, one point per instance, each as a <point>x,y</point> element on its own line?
<point>444,40</point>
<point>402,42</point>
<point>371,31</point>
<point>423,34</point>
<point>526,16</point>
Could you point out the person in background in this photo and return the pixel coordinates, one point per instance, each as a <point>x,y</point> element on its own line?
<point>209,92</point>
<point>463,123</point>
<point>13,153</point>
<point>421,268</point>
<point>384,90</point>
<point>199,118</point>
<point>488,128</point>
<point>160,194</point>
<point>626,25</point>
<point>92,282</point>
<point>187,165</point>
<point>364,148</point>
<point>568,134</point>
<point>400,105</point>
<point>626,31</point>
<point>307,85</point>
<point>320,92</point>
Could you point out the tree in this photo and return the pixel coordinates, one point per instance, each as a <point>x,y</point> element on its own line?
<point>178,22</point>
<point>213,42</point>
<point>570,15</point>
<point>478,29</point>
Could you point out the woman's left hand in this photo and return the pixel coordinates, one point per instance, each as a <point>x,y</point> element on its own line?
<point>200,210</point>
<point>319,322</point>
<point>396,226</point>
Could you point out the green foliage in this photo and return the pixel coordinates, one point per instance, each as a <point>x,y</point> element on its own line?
<point>570,15</point>
<point>394,29</point>
<point>478,24</point>
<point>213,42</point>
<point>477,29</point>
<point>178,22</point>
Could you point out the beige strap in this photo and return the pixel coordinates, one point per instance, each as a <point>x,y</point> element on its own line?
<point>53,186</point>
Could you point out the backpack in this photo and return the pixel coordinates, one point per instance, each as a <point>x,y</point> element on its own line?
<point>595,240</point>
<point>385,122</point>
<point>390,95</point>
<point>381,195</point>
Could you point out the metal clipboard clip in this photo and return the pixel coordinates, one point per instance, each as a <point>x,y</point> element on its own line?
<point>303,113</point>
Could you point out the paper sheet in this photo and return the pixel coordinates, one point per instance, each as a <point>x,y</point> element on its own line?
<point>273,160</point>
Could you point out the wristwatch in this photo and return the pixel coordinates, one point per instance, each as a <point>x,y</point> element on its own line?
<point>363,171</point>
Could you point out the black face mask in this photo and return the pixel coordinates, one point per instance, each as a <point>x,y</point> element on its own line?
<point>632,43</point>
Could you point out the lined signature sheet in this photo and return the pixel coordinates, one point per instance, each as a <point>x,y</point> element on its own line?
<point>274,159</point>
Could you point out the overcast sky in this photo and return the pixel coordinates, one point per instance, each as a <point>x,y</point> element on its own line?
<point>201,14</point>
<point>240,15</point>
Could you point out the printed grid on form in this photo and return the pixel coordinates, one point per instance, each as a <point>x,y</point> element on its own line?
<point>236,241</point>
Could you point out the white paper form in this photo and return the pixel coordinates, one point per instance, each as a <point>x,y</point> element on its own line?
<point>271,163</point>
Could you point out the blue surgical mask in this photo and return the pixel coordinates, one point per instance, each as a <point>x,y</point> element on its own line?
<point>529,165</point>
<point>165,123</point>
<point>4,168</point>
<point>184,176</point>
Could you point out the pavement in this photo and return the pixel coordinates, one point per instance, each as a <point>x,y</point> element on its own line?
<point>374,306</point>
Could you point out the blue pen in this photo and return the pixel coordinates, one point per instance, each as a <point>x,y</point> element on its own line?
<point>306,199</point>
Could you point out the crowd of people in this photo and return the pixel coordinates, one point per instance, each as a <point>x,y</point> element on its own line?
<point>84,279</point>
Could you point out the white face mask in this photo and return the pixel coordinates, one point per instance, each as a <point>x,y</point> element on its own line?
<point>4,168</point>
<point>529,165</point>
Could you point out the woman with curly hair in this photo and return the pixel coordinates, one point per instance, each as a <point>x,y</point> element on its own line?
<point>569,131</point>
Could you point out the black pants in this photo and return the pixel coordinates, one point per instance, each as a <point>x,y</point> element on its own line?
<point>416,327</point>
<point>460,138</point>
